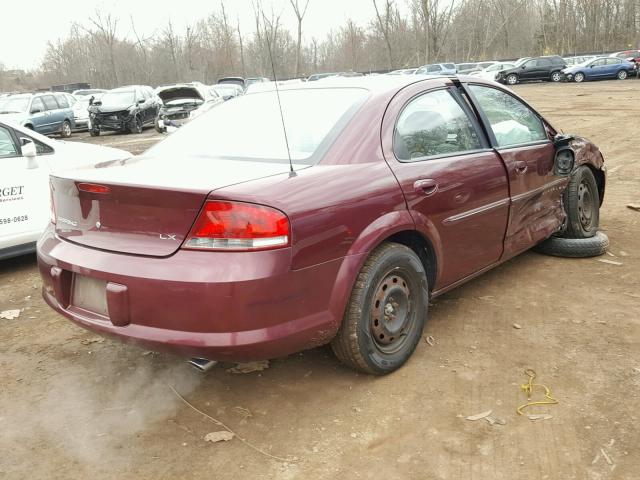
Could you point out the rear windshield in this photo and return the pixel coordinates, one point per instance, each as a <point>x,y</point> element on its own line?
<point>250,126</point>
<point>14,104</point>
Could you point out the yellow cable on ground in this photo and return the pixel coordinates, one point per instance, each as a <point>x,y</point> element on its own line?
<point>528,388</point>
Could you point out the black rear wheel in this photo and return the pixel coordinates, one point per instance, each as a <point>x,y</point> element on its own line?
<point>386,313</point>
<point>65,131</point>
<point>622,75</point>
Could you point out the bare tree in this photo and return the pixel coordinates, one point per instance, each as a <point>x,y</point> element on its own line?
<point>299,15</point>
<point>385,28</point>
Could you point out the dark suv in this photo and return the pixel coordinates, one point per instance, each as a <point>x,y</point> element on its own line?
<point>125,109</point>
<point>537,68</point>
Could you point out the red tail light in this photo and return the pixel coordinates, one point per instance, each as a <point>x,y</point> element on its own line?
<point>93,188</point>
<point>238,226</point>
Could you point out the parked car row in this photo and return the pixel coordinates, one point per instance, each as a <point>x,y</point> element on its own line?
<point>552,68</point>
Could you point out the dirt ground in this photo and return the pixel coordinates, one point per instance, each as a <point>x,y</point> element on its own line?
<point>75,406</point>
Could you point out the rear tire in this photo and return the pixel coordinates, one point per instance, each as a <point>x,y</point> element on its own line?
<point>65,131</point>
<point>385,316</point>
<point>574,247</point>
<point>512,79</point>
<point>622,75</point>
<point>556,76</point>
<point>582,205</point>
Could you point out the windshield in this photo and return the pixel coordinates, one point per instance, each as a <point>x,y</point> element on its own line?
<point>118,98</point>
<point>521,61</point>
<point>499,66</point>
<point>14,104</point>
<point>250,127</point>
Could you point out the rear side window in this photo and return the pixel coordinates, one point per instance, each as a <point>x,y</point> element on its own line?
<point>50,102</point>
<point>433,124</point>
<point>62,101</point>
<point>434,68</point>
<point>450,66</point>
<point>512,122</point>
<point>7,145</point>
<point>613,61</point>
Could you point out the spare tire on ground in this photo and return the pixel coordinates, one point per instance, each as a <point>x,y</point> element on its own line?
<point>574,247</point>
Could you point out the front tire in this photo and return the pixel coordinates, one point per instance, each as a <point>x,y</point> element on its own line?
<point>622,75</point>
<point>386,313</point>
<point>65,132</point>
<point>512,79</point>
<point>556,76</point>
<point>578,78</point>
<point>94,132</point>
<point>582,205</point>
<point>136,125</point>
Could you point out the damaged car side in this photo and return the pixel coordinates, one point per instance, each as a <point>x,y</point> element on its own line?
<point>182,103</point>
<point>124,109</point>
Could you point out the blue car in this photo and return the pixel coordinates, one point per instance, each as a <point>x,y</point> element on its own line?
<point>599,68</point>
<point>46,113</point>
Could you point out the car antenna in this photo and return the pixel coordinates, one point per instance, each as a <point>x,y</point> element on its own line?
<point>275,79</point>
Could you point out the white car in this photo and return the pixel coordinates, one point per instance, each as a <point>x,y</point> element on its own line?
<point>26,160</point>
<point>490,72</point>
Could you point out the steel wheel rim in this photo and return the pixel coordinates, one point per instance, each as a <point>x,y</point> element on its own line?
<point>585,206</point>
<point>392,312</point>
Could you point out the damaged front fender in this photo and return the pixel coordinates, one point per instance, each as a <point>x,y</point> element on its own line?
<point>587,153</point>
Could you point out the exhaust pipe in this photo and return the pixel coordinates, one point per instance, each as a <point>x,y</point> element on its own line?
<point>202,364</point>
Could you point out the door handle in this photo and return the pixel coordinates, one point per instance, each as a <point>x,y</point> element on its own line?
<point>427,186</point>
<point>521,167</point>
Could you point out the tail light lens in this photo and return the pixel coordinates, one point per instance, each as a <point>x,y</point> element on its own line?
<point>238,226</point>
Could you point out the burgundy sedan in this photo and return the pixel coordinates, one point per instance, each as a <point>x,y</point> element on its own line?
<point>229,241</point>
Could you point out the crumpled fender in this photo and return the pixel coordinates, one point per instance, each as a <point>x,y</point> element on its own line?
<point>587,153</point>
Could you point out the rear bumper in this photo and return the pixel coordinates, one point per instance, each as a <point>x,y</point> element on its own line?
<point>216,305</point>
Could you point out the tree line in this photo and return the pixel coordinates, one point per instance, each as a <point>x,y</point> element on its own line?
<point>108,51</point>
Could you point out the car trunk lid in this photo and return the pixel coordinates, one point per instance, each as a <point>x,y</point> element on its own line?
<point>153,212</point>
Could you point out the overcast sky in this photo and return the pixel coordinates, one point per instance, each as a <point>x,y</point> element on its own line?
<point>27,25</point>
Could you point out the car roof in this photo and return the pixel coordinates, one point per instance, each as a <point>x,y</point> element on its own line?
<point>378,84</point>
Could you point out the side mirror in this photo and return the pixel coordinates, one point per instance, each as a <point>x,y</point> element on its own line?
<point>29,152</point>
<point>141,101</point>
<point>91,100</point>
